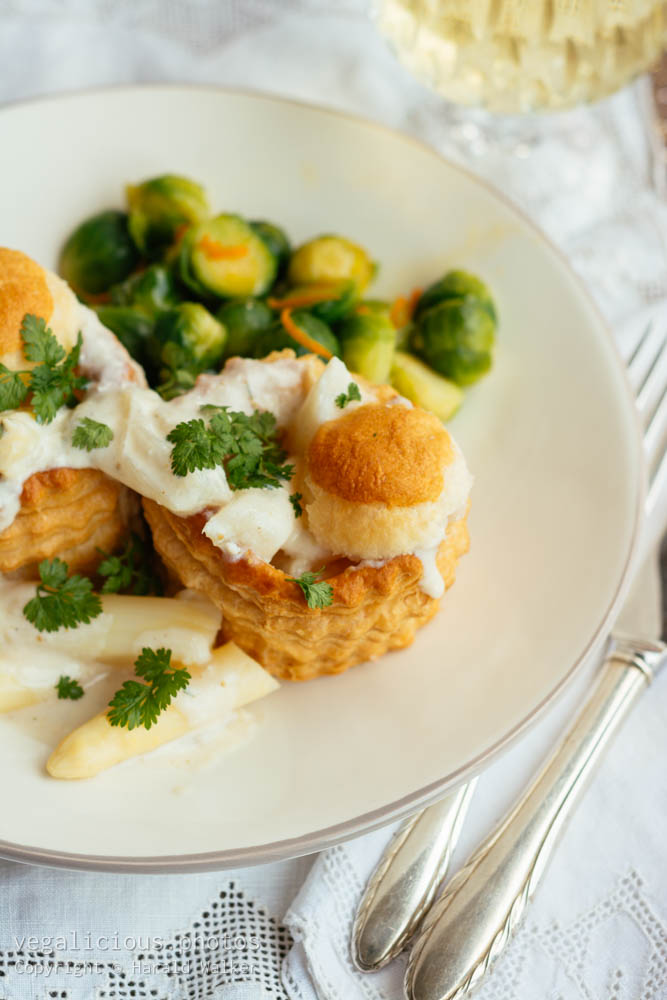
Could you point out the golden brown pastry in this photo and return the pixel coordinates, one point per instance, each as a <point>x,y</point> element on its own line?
<point>375,608</point>
<point>375,478</point>
<point>69,513</point>
<point>64,512</point>
<point>384,497</point>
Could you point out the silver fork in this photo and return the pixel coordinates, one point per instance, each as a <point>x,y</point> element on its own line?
<point>407,877</point>
<point>470,924</point>
<point>647,372</point>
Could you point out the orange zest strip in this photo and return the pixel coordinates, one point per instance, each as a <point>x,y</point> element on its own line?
<point>415,295</point>
<point>362,310</point>
<point>399,312</point>
<point>403,309</point>
<point>304,299</point>
<point>302,338</point>
<point>218,251</point>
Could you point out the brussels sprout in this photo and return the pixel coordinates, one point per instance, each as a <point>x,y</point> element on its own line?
<point>376,306</point>
<point>368,341</point>
<point>191,327</point>
<point>98,254</point>
<point>276,240</point>
<point>244,319</point>
<point>132,327</point>
<point>176,374</point>
<point>456,338</point>
<point>328,300</point>
<point>415,380</point>
<point>277,337</point>
<point>160,207</point>
<point>152,291</point>
<point>225,258</point>
<point>331,258</point>
<point>455,285</point>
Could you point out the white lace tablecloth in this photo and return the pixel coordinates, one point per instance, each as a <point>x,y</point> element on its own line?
<point>598,929</point>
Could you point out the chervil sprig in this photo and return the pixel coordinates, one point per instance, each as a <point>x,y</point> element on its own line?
<point>61,601</point>
<point>131,571</point>
<point>52,382</point>
<point>39,343</point>
<point>140,704</point>
<point>318,594</point>
<point>346,397</point>
<point>246,446</point>
<point>195,447</point>
<point>295,499</point>
<point>91,434</point>
<point>13,390</point>
<point>67,687</point>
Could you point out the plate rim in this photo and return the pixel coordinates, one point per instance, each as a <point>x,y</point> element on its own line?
<point>330,836</point>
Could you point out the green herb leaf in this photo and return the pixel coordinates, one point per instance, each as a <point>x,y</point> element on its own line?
<point>346,397</point>
<point>53,573</point>
<point>195,447</point>
<point>53,382</point>
<point>136,704</point>
<point>67,687</point>
<point>131,572</point>
<point>295,499</point>
<point>54,385</point>
<point>39,343</point>
<point>175,383</point>
<point>247,446</point>
<point>61,601</point>
<point>318,594</point>
<point>13,389</point>
<point>177,373</point>
<point>91,434</point>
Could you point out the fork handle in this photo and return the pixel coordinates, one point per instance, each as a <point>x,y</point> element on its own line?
<point>406,879</point>
<point>469,926</point>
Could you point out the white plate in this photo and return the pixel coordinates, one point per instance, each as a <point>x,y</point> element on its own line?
<point>550,436</point>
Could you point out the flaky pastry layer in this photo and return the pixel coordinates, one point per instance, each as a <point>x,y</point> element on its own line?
<point>375,608</point>
<point>68,513</point>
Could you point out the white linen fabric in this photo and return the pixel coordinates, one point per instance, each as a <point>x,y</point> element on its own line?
<point>598,929</point>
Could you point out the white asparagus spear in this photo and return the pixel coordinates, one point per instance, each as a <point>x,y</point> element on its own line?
<point>230,680</point>
<point>32,661</point>
<point>13,694</point>
<point>121,630</point>
<point>30,674</point>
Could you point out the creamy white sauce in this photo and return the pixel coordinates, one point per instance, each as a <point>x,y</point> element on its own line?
<point>17,632</point>
<point>202,747</point>
<point>302,551</point>
<point>453,501</point>
<point>139,454</point>
<point>256,521</point>
<point>102,357</point>
<point>30,655</point>
<point>320,403</point>
<point>206,700</point>
<point>37,659</point>
<point>373,563</point>
<point>431,582</point>
<point>34,667</point>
